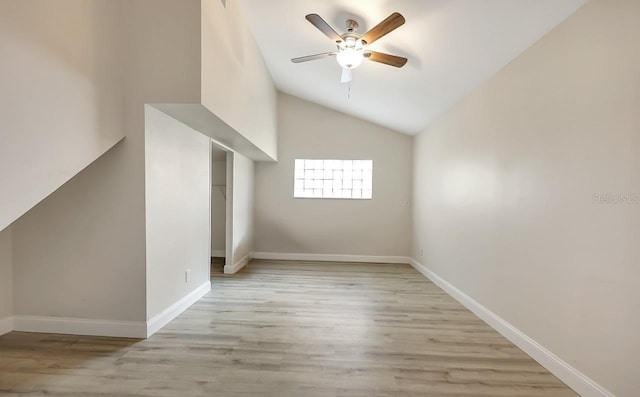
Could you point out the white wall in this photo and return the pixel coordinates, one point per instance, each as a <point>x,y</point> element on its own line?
<point>6,281</point>
<point>218,208</point>
<point>378,227</point>
<point>61,97</point>
<point>81,252</point>
<point>178,176</point>
<point>239,89</point>
<point>240,190</point>
<point>504,194</point>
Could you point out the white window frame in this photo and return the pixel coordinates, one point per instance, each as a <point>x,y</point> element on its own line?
<point>333,179</point>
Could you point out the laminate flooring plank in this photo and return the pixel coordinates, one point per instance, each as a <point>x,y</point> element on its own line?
<point>299,329</point>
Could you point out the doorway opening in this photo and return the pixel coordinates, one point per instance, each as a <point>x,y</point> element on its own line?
<point>219,219</point>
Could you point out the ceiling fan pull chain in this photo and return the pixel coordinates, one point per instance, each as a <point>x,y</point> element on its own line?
<point>349,91</point>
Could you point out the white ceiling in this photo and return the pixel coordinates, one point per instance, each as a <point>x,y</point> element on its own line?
<point>453,46</point>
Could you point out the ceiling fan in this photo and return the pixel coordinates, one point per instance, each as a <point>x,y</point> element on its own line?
<point>353,47</point>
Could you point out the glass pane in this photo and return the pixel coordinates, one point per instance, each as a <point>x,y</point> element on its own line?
<point>366,184</point>
<point>329,178</point>
<point>308,183</point>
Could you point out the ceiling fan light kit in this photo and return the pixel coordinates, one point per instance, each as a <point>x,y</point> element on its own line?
<point>351,53</point>
<point>353,47</point>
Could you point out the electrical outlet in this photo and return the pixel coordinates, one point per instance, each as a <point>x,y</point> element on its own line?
<point>421,252</point>
<point>187,275</point>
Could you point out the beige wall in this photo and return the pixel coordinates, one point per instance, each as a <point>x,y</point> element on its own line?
<point>351,227</point>
<point>218,207</point>
<point>242,196</point>
<point>81,252</point>
<point>239,89</point>
<point>177,191</point>
<point>6,278</point>
<point>504,184</point>
<point>60,102</point>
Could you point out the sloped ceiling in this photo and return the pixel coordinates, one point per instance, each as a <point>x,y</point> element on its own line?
<point>453,46</point>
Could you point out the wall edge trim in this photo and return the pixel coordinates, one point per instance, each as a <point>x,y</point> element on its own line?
<point>167,315</point>
<point>79,326</point>
<point>6,325</point>
<point>575,379</point>
<point>218,253</point>
<point>233,269</point>
<point>331,257</point>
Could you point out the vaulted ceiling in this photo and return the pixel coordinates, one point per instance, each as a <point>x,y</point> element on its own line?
<point>453,46</point>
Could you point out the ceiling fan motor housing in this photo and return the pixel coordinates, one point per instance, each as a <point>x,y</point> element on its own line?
<point>352,25</point>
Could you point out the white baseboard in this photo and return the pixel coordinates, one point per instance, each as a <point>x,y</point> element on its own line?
<point>79,326</point>
<point>120,329</point>
<point>575,379</point>
<point>163,318</point>
<point>234,268</point>
<point>330,257</point>
<point>6,325</point>
<point>218,253</point>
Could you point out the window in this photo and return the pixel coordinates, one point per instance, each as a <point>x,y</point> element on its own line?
<point>342,179</point>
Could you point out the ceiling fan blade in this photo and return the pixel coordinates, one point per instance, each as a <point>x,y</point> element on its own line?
<point>346,75</point>
<point>391,23</point>
<point>317,21</point>
<point>387,59</point>
<point>313,57</point>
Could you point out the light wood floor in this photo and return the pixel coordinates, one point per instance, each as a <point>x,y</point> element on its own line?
<point>290,329</point>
